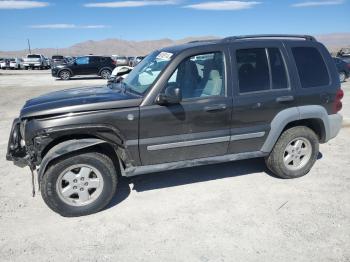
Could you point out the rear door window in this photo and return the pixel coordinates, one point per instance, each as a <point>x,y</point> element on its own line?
<point>253,70</point>
<point>311,67</point>
<point>261,69</point>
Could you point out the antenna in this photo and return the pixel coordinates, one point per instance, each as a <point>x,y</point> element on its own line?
<point>30,51</point>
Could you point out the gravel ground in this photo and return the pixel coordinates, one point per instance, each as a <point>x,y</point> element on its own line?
<point>228,212</point>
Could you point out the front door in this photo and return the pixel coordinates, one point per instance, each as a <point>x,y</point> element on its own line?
<point>199,126</point>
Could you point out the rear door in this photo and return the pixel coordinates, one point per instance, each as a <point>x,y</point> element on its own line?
<point>262,88</point>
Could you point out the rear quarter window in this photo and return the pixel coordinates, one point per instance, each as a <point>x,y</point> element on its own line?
<point>311,67</point>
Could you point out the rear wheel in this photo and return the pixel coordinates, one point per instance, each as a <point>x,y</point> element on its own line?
<point>79,184</point>
<point>64,75</point>
<point>342,76</point>
<point>294,153</point>
<point>105,73</point>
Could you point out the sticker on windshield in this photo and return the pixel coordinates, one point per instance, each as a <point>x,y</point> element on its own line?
<point>164,55</point>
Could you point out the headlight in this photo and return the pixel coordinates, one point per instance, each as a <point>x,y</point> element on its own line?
<point>22,128</point>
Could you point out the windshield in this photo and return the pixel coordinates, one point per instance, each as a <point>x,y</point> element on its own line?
<point>145,73</point>
<point>33,56</point>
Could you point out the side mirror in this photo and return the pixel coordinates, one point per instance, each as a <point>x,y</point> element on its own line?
<point>172,95</point>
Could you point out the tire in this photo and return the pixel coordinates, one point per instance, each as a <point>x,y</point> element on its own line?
<point>65,75</point>
<point>105,73</point>
<point>52,181</point>
<point>342,77</point>
<point>296,145</point>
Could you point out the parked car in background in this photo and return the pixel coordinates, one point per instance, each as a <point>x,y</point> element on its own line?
<point>130,60</point>
<point>137,60</point>
<point>57,60</point>
<point>69,59</point>
<point>343,69</point>
<point>85,65</point>
<point>344,52</point>
<point>35,61</point>
<point>49,62</point>
<point>121,60</point>
<point>5,63</point>
<point>345,58</point>
<point>16,63</point>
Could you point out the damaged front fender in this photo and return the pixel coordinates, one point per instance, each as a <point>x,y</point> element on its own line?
<point>64,148</point>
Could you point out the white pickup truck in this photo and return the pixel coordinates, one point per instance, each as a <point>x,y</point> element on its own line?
<point>35,61</point>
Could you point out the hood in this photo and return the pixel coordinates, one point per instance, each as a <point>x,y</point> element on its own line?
<point>79,100</point>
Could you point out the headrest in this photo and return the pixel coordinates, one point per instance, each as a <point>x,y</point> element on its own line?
<point>214,74</point>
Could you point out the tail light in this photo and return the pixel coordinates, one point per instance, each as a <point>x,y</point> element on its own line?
<point>114,62</point>
<point>338,105</point>
<point>348,65</point>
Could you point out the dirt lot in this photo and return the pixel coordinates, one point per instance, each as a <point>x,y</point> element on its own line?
<point>228,212</point>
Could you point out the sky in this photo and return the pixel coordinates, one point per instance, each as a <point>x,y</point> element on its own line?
<point>62,23</point>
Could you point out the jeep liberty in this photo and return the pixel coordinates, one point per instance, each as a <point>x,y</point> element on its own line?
<point>204,102</point>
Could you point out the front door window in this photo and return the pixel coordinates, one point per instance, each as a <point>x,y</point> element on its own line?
<point>200,76</point>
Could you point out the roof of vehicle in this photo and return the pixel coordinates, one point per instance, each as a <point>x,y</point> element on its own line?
<point>235,39</point>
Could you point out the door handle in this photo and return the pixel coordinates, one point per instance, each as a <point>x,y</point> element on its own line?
<point>282,99</point>
<point>220,107</point>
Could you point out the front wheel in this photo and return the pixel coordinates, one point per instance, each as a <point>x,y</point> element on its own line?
<point>79,184</point>
<point>295,153</point>
<point>105,73</point>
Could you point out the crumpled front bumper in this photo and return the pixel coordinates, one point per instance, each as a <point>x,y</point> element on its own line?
<point>15,151</point>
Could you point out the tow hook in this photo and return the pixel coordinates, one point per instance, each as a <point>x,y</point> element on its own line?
<point>32,169</point>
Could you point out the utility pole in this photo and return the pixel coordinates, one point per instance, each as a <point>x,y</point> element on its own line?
<point>30,51</point>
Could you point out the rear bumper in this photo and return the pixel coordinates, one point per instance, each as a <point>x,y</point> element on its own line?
<point>32,64</point>
<point>335,124</point>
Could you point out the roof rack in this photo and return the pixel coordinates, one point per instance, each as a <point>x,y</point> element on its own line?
<point>233,38</point>
<point>203,41</point>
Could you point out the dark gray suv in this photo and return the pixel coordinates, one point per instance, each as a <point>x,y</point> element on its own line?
<point>271,96</point>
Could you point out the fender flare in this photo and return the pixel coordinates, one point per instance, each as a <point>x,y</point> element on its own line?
<point>64,148</point>
<point>283,118</point>
<point>70,70</point>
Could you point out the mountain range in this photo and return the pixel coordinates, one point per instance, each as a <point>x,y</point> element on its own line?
<point>333,42</point>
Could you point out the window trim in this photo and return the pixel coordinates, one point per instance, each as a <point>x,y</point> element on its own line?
<point>289,88</point>
<point>202,97</point>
